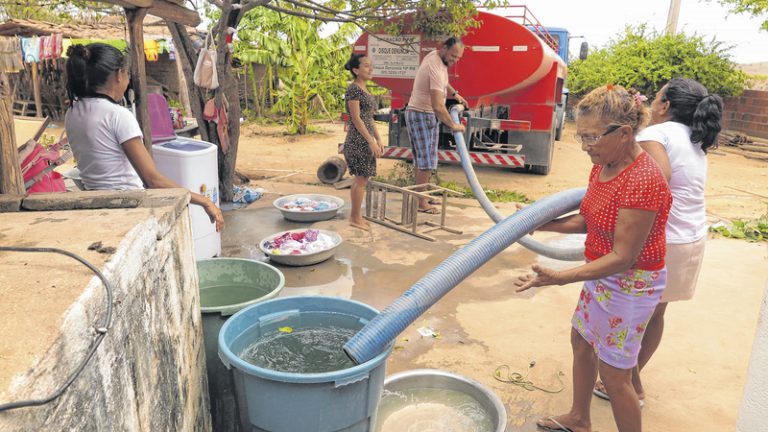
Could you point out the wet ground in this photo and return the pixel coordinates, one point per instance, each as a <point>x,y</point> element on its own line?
<point>694,382</point>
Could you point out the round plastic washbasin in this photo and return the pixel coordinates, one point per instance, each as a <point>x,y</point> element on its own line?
<point>308,216</point>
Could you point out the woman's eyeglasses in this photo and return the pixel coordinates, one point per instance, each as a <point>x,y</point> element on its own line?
<point>591,140</point>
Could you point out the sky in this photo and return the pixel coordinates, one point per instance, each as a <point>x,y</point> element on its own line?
<point>601,20</point>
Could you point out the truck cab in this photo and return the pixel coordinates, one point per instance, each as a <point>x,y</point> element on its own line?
<point>560,38</point>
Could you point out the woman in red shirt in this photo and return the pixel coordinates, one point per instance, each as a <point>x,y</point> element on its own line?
<point>623,213</point>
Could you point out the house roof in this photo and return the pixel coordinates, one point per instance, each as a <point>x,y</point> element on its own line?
<point>154,28</point>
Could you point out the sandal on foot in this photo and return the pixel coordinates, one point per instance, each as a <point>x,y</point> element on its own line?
<point>600,392</point>
<point>558,426</point>
<point>430,210</point>
<point>434,202</point>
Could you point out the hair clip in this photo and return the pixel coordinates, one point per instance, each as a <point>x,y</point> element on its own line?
<point>609,87</point>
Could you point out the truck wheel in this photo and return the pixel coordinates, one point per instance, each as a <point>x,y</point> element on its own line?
<point>540,169</point>
<point>559,132</point>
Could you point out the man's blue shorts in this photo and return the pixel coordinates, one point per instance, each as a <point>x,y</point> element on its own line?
<point>423,131</point>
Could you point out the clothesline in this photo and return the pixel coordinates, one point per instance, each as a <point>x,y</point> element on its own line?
<point>14,51</point>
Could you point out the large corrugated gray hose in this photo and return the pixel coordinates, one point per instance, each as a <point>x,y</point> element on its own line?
<point>382,329</point>
<point>558,253</point>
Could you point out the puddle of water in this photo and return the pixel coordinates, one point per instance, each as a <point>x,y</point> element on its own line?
<point>431,410</point>
<point>330,278</point>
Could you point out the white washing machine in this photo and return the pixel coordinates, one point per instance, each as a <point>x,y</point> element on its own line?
<point>193,164</point>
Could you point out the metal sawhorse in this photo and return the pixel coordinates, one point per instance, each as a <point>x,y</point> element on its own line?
<point>376,207</point>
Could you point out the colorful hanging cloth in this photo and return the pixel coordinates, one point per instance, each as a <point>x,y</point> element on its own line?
<point>10,55</point>
<point>151,50</point>
<point>30,49</point>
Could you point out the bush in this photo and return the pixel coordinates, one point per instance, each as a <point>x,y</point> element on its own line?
<point>646,60</point>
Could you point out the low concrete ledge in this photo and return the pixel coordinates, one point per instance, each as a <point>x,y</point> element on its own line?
<point>148,374</point>
<point>10,203</point>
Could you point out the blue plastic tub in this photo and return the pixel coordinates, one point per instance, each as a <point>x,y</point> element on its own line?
<point>274,401</point>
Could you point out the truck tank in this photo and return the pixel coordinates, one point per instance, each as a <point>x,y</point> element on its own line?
<point>510,76</point>
<point>501,56</point>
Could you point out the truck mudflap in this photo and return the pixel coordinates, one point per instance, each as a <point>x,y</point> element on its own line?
<point>451,156</point>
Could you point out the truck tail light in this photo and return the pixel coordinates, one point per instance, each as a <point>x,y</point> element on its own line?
<point>515,125</point>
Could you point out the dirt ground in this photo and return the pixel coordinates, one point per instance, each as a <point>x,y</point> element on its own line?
<point>737,187</point>
<point>694,382</point>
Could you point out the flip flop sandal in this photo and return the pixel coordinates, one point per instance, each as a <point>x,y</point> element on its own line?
<point>434,202</point>
<point>599,392</point>
<point>560,427</point>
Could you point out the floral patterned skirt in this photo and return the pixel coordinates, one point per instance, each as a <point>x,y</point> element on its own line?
<point>612,313</point>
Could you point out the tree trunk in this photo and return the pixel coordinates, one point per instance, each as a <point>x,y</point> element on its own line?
<point>198,97</point>
<point>11,181</point>
<point>229,87</point>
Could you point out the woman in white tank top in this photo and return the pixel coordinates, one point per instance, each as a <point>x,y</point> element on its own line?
<point>685,121</point>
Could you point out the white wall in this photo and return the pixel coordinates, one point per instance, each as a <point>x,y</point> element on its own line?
<point>753,413</point>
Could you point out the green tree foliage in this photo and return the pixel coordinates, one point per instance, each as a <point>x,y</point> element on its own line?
<point>756,8</point>
<point>56,11</point>
<point>646,60</point>
<point>309,66</point>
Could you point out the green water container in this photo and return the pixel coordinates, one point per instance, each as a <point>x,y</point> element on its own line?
<point>228,285</point>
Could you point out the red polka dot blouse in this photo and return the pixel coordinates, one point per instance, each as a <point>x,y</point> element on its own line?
<point>640,186</point>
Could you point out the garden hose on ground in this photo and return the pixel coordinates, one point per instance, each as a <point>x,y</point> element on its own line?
<point>516,378</point>
<point>100,331</point>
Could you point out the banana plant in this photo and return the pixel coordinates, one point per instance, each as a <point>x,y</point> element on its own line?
<point>308,65</point>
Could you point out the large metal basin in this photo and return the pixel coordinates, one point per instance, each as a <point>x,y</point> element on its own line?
<point>438,379</point>
<point>302,259</point>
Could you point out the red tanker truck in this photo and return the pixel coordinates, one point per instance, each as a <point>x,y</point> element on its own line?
<point>511,76</point>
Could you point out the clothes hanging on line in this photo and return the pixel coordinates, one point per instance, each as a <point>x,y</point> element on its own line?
<point>10,55</point>
<point>30,49</point>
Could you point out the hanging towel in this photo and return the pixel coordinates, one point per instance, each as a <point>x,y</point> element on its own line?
<point>30,48</point>
<point>46,47</point>
<point>151,49</point>
<point>57,45</point>
<point>10,55</point>
<point>222,125</point>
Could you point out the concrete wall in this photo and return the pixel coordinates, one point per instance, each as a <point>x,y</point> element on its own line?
<point>747,113</point>
<point>754,404</point>
<point>148,374</point>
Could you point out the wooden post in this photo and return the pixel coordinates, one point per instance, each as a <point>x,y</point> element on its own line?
<point>11,181</point>
<point>36,90</point>
<point>135,21</point>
